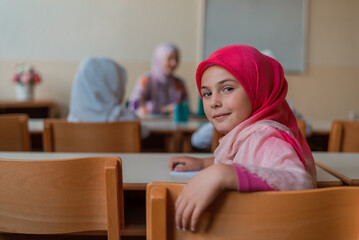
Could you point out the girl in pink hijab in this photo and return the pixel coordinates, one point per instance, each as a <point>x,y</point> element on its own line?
<point>158,91</point>
<point>243,94</point>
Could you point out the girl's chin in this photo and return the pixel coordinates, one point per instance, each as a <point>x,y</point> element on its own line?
<point>221,130</point>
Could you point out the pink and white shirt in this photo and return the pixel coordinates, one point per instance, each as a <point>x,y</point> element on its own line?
<point>265,159</point>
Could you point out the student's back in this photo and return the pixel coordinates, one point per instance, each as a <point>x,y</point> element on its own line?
<point>97,92</point>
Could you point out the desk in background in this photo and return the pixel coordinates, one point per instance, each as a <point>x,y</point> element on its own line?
<point>176,136</point>
<point>318,140</point>
<point>344,166</point>
<point>170,136</point>
<point>35,109</point>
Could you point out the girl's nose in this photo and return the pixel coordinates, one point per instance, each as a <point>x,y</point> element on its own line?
<point>215,101</point>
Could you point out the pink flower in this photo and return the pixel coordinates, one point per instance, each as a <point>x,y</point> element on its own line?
<point>37,78</point>
<point>26,74</point>
<point>25,78</point>
<point>15,78</point>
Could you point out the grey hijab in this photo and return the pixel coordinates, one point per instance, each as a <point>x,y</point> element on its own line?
<point>97,92</point>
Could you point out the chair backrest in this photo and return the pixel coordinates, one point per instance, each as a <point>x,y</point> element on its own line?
<point>344,137</point>
<point>14,132</point>
<point>61,196</point>
<point>63,136</point>
<point>217,135</point>
<point>326,213</point>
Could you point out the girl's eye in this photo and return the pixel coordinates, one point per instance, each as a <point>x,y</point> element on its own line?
<point>227,89</point>
<point>206,94</point>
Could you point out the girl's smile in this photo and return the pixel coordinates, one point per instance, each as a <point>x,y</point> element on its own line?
<point>225,101</point>
<point>220,116</point>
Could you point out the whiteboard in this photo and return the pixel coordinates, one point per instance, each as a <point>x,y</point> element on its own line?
<point>278,25</point>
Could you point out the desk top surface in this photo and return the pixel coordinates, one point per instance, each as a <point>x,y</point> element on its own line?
<point>158,123</point>
<point>137,168</point>
<point>26,104</point>
<point>37,125</point>
<point>345,166</point>
<point>144,167</point>
<point>321,126</point>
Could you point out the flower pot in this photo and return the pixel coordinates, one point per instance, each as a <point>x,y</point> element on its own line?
<point>24,92</point>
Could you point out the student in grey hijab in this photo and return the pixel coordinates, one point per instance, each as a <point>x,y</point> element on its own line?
<point>98,91</point>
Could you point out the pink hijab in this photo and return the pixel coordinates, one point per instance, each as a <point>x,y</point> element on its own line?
<point>263,79</point>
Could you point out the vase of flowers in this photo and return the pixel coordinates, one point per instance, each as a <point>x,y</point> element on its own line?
<point>25,78</point>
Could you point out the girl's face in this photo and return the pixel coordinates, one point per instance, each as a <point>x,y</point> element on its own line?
<point>225,101</point>
<point>170,62</point>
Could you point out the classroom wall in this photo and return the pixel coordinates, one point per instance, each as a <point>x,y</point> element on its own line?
<point>55,35</point>
<point>329,88</point>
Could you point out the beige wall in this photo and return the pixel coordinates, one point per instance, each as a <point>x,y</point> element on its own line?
<point>55,35</point>
<point>329,88</point>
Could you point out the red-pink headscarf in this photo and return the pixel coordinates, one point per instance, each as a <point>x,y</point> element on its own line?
<point>263,79</point>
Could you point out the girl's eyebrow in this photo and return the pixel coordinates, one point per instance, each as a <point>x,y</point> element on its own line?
<point>220,83</point>
<point>226,80</point>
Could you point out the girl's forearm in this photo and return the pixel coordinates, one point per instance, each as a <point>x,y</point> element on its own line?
<point>228,179</point>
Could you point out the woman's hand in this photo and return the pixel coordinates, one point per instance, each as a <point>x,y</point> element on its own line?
<point>167,108</point>
<point>201,191</point>
<point>142,111</point>
<point>184,163</point>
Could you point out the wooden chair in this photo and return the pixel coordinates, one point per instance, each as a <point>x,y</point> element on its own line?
<point>217,135</point>
<point>344,137</point>
<point>327,213</point>
<point>14,133</point>
<point>63,136</point>
<point>61,196</point>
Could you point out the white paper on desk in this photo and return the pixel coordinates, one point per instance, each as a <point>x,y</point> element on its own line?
<point>187,174</point>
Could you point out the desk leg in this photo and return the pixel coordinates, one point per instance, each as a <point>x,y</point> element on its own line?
<point>173,142</point>
<point>186,143</point>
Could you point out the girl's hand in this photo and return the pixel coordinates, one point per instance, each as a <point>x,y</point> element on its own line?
<point>183,163</point>
<point>200,192</point>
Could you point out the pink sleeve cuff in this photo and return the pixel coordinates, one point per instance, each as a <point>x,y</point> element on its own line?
<point>247,182</point>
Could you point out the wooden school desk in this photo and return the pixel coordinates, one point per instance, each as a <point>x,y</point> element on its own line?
<point>142,168</point>
<point>318,140</point>
<point>177,137</point>
<point>344,166</point>
<point>139,170</point>
<point>35,109</point>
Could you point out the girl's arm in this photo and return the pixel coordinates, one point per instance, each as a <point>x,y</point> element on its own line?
<point>200,192</point>
<point>184,163</point>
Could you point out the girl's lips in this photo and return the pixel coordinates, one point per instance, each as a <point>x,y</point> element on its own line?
<point>220,116</point>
